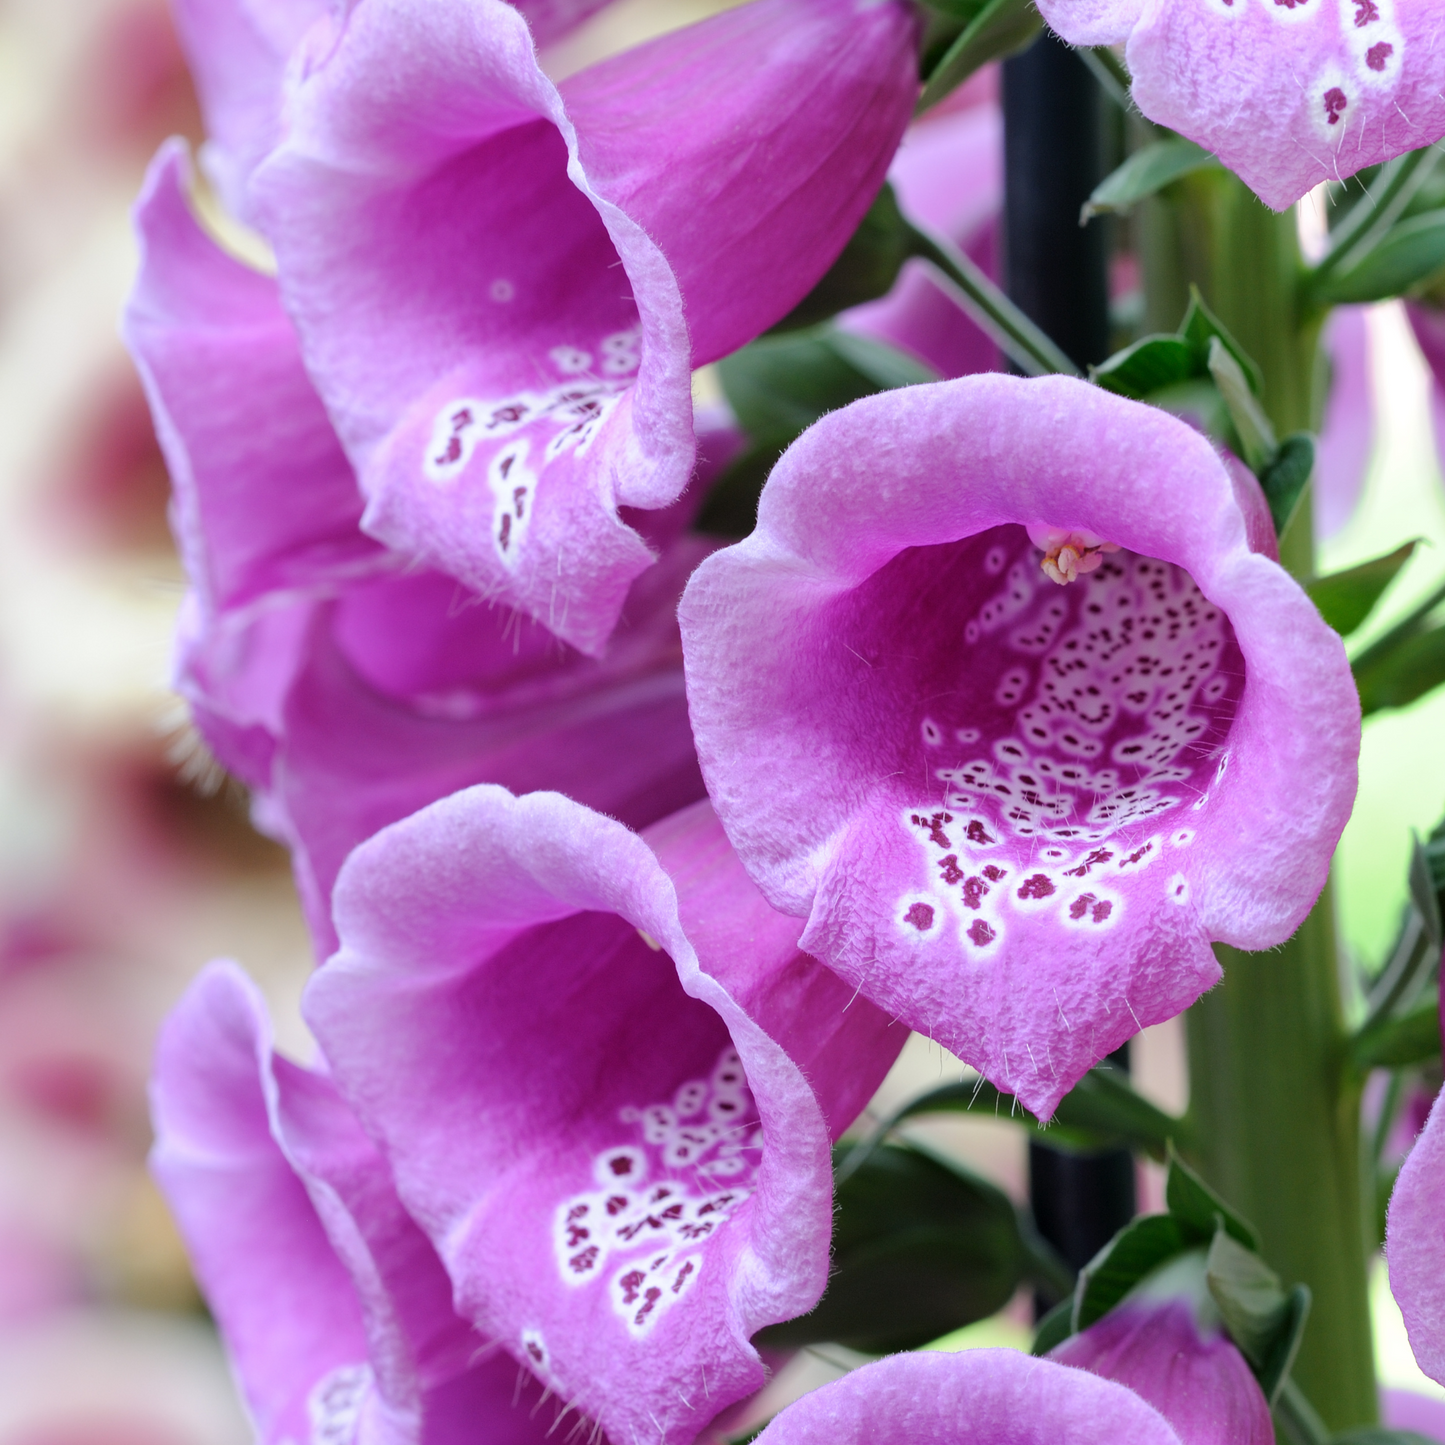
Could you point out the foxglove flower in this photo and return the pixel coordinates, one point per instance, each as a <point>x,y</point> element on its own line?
<point>238,51</point>
<point>335,1310</point>
<point>948,176</point>
<point>1166,1343</point>
<point>975,1397</point>
<point>1016,813</point>
<point>1347,435</point>
<point>345,690</point>
<point>1415,1245</point>
<point>606,1080</point>
<point>502,285</point>
<point>1428,324</point>
<point>1288,93</point>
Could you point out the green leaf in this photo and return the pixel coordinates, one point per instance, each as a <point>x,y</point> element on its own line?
<point>1101,1111</point>
<point>1148,170</point>
<point>1201,326</point>
<point>1394,1043</point>
<point>1421,880</point>
<point>1137,1250</point>
<point>780,385</point>
<point>1408,254</point>
<point>1054,1328</point>
<point>1146,366</point>
<point>1286,476</point>
<point>919,1249</point>
<point>866,269</point>
<point>1000,28</point>
<point>1378,1435</point>
<point>1413,667</point>
<point>1190,1199</point>
<point>1263,1320</point>
<point>1253,426</point>
<point>1174,372</point>
<point>1346,599</point>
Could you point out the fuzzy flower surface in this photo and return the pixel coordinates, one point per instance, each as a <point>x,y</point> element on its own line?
<point>1015,810</point>
<point>1415,1245</point>
<point>606,1078</point>
<point>1287,93</point>
<point>502,285</point>
<point>346,688</point>
<point>334,1308</point>
<point>1166,1342</point>
<point>974,1397</point>
<point>239,51</point>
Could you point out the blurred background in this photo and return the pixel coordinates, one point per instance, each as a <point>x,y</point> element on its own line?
<point>125,864</point>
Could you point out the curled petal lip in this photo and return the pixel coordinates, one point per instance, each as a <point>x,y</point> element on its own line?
<point>622,1216</point>
<point>502,285</point>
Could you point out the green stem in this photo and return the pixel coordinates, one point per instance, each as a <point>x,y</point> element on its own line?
<point>1277,1118</point>
<point>1378,208</point>
<point>1034,352</point>
<point>1274,1104</point>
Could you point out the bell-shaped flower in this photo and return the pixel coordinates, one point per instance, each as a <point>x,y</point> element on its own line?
<point>1167,1343</point>
<point>975,1397</point>
<point>1287,93</point>
<point>1428,324</point>
<point>606,1079</point>
<point>998,697</point>
<point>1347,433</point>
<point>1415,1245</point>
<point>344,689</point>
<point>238,52</point>
<point>334,1308</point>
<point>948,177</point>
<point>502,284</point>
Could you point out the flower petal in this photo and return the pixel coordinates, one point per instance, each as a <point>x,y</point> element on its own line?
<point>495,280</point>
<point>1012,817</point>
<point>1347,436</point>
<point>1288,93</point>
<point>975,1397</point>
<point>238,52</point>
<point>948,175</point>
<point>335,1310</point>
<point>264,499</point>
<point>1203,1387</point>
<point>1415,1245</point>
<point>624,1214</point>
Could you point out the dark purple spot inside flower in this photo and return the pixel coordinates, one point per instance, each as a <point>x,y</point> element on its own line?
<point>1366,11</point>
<point>1080,906</point>
<point>977,833</point>
<point>1102,911</point>
<point>649,1303</point>
<point>1335,101</point>
<point>993,873</point>
<point>519,498</point>
<point>973,890</point>
<point>1377,55</point>
<point>920,916</point>
<point>631,1283</point>
<point>504,537</point>
<point>581,1263</point>
<point>1039,886</point>
<point>616,1203</point>
<point>980,934</point>
<point>535,1350</point>
<point>682,1276</point>
<point>1099,855</point>
<point>620,1164</point>
<point>952,873</point>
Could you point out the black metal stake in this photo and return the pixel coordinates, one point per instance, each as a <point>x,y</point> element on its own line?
<point>1057,272</point>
